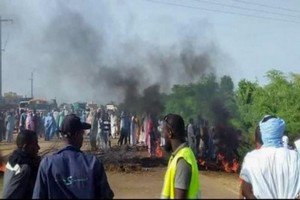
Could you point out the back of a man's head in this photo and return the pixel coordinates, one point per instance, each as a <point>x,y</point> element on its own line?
<point>271,129</point>
<point>176,124</point>
<point>25,137</point>
<point>71,125</point>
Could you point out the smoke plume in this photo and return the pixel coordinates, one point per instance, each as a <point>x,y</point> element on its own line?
<point>82,57</point>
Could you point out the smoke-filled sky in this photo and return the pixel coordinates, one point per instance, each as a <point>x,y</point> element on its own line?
<point>98,50</point>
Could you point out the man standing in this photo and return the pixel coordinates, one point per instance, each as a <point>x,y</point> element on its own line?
<point>150,136</point>
<point>133,127</point>
<point>144,122</point>
<point>29,121</point>
<point>125,128</point>
<point>21,168</point>
<point>93,131</point>
<point>22,120</point>
<point>104,123</point>
<point>10,125</point>
<point>61,117</point>
<point>2,127</point>
<point>50,126</point>
<point>35,122</point>
<point>113,121</point>
<point>181,178</point>
<point>205,139</point>
<point>55,115</point>
<point>17,120</point>
<point>71,173</point>
<point>160,131</point>
<point>198,132</point>
<point>271,171</point>
<point>191,136</point>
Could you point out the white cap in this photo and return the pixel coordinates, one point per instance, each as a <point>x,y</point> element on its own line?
<point>285,139</point>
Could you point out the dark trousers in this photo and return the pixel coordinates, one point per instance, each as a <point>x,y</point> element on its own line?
<point>124,136</point>
<point>198,137</point>
<point>2,134</point>
<point>93,141</point>
<point>152,145</point>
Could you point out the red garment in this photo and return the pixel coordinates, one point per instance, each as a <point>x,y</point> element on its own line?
<point>148,134</point>
<point>149,126</point>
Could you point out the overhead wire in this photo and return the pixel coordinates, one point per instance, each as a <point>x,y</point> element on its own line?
<point>221,11</point>
<point>248,9</point>
<point>267,6</point>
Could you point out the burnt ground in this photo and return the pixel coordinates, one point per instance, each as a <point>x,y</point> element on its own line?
<point>129,159</point>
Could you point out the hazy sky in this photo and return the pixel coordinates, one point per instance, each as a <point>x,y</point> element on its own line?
<point>89,49</point>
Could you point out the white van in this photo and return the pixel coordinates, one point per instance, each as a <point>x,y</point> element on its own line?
<point>23,105</point>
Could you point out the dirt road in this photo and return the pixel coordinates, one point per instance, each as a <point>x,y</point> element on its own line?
<point>148,184</point>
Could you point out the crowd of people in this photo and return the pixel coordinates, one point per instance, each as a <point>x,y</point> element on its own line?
<point>205,141</point>
<point>72,173</point>
<point>44,124</point>
<point>127,127</point>
<point>269,171</point>
<point>7,125</point>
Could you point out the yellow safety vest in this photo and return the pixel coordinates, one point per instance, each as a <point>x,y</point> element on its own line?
<point>168,191</point>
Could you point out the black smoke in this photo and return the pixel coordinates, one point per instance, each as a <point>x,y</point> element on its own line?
<point>88,59</point>
<point>227,136</point>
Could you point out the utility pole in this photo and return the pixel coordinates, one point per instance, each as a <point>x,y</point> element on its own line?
<point>31,80</point>
<point>2,20</point>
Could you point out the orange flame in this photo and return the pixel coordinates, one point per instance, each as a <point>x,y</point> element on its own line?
<point>2,167</point>
<point>202,162</point>
<point>230,167</point>
<point>158,151</point>
<point>235,166</point>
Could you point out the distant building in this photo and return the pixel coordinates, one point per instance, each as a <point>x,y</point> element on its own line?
<point>11,98</point>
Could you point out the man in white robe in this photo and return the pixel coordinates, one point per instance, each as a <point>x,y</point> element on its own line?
<point>271,171</point>
<point>113,125</point>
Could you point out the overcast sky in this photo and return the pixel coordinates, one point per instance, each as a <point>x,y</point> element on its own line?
<point>88,50</point>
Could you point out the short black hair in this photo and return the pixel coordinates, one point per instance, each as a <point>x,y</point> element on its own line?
<point>268,117</point>
<point>25,137</point>
<point>176,124</point>
<point>258,136</point>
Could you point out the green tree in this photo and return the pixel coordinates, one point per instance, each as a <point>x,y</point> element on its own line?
<point>279,97</point>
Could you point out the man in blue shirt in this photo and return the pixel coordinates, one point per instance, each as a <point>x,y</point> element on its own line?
<point>71,173</point>
<point>125,128</point>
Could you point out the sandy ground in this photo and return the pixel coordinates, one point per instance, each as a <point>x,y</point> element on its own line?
<point>148,184</point>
